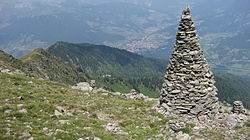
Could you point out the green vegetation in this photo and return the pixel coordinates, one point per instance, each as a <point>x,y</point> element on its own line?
<point>135,72</point>
<point>233,88</point>
<point>149,86</point>
<point>41,64</point>
<point>28,110</point>
<point>247,124</point>
<point>52,68</point>
<point>9,62</point>
<point>103,60</point>
<point>89,113</point>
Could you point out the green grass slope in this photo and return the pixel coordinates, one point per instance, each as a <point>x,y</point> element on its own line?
<point>9,62</point>
<point>102,60</point>
<point>88,112</point>
<point>28,106</point>
<point>53,68</point>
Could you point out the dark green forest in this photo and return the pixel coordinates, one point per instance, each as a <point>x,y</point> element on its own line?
<point>230,87</point>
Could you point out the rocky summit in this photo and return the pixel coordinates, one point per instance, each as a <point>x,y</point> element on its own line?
<point>189,84</point>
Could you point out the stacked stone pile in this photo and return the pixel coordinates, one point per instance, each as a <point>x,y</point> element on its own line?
<point>189,84</point>
<point>238,108</point>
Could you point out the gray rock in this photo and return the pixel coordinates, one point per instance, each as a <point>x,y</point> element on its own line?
<point>23,111</point>
<point>105,94</point>
<point>134,95</point>
<point>25,134</point>
<point>57,113</point>
<point>31,138</point>
<point>175,91</point>
<point>63,121</point>
<point>176,125</point>
<point>99,90</point>
<point>182,137</point>
<point>7,111</point>
<point>69,114</point>
<point>92,83</point>
<point>84,86</point>
<point>61,109</point>
<point>115,129</point>
<point>96,138</point>
<point>116,93</point>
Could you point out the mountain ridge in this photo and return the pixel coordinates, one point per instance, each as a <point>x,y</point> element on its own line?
<point>41,62</point>
<point>53,68</point>
<point>104,60</point>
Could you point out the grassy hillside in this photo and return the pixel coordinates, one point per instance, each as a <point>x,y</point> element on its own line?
<point>53,68</point>
<point>129,71</point>
<point>38,109</point>
<point>133,68</point>
<point>102,60</point>
<point>9,62</point>
<point>84,115</point>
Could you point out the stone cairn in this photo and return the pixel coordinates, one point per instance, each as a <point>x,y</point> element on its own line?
<point>189,84</point>
<point>238,108</point>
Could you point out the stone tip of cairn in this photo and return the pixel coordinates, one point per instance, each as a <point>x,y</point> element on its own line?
<point>186,11</point>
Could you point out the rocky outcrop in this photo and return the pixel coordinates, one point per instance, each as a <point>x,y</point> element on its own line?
<point>84,86</point>
<point>189,84</point>
<point>136,96</point>
<point>114,128</point>
<point>7,71</point>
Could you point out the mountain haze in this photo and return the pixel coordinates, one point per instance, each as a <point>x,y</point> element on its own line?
<point>142,26</point>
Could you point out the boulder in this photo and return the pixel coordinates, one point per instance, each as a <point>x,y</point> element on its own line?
<point>134,95</point>
<point>176,125</point>
<point>182,137</point>
<point>84,86</point>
